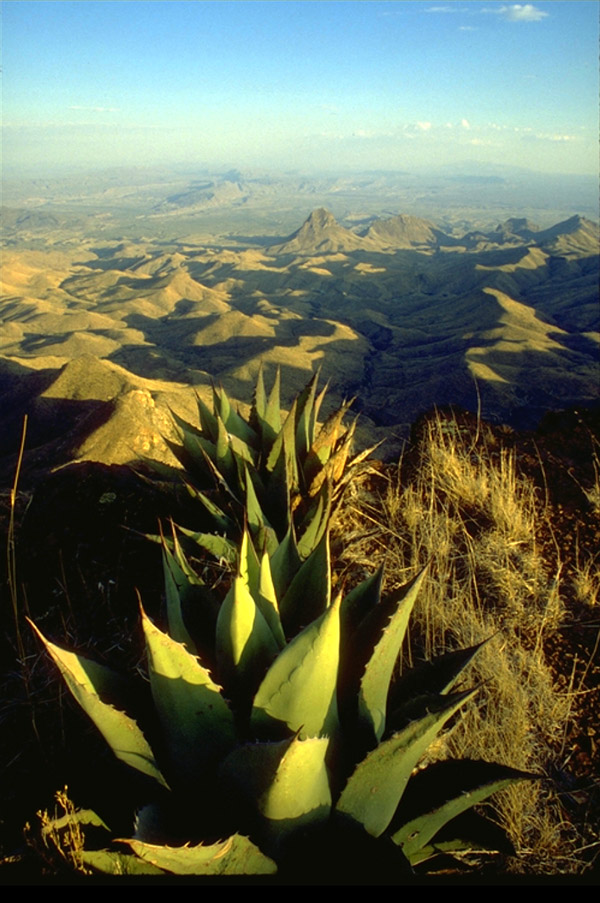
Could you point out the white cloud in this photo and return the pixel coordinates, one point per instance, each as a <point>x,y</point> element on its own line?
<point>465,123</point>
<point>522,12</point>
<point>467,28</point>
<point>560,137</point>
<point>424,126</point>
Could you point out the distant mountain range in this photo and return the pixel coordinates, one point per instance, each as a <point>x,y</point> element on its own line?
<point>101,337</point>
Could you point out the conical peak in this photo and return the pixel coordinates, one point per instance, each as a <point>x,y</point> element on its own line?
<point>321,219</point>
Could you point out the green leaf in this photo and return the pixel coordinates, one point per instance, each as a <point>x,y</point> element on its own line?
<point>440,793</point>
<point>236,426</point>
<point>381,634</point>
<point>281,788</point>
<point>197,723</point>
<point>259,401</point>
<point>245,643</point>
<point>110,862</point>
<point>309,593</point>
<point>225,460</point>
<point>235,856</point>
<point>208,420</point>
<point>273,408</point>
<point>429,678</point>
<point>305,418</point>
<point>326,442</point>
<point>89,682</point>
<point>359,602</point>
<point>221,521</point>
<point>316,521</point>
<point>376,786</point>
<point>218,546</point>
<point>299,689</point>
<point>177,582</point>
<point>256,519</point>
<point>285,562</point>
<point>266,600</point>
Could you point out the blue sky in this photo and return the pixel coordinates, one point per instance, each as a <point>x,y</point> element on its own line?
<point>300,85</point>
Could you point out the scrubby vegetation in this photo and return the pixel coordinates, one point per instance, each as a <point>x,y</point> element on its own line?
<point>459,503</point>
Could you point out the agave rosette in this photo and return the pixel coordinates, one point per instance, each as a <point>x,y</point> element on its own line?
<point>289,727</point>
<point>268,472</point>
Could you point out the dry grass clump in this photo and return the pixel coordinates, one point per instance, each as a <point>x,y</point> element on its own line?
<point>458,503</point>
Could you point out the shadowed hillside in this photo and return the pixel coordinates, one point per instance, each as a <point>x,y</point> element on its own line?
<point>399,318</point>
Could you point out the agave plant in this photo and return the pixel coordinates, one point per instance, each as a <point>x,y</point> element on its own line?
<point>267,472</point>
<point>290,741</point>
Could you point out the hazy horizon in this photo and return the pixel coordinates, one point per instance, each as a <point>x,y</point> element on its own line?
<point>300,85</point>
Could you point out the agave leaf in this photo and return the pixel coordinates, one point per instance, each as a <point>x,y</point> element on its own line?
<point>305,423</point>
<point>168,472</point>
<point>285,443</point>
<point>259,401</point>
<point>333,468</point>
<point>176,583</point>
<point>380,636</point>
<point>339,460</point>
<point>440,793</point>
<point>255,515</point>
<point>245,643</point>
<point>273,408</point>
<point>376,786</point>
<point>236,425</point>
<point>197,722</point>
<point>249,565</point>
<point>199,448</point>
<point>285,562</point>
<point>317,407</point>
<point>89,682</point>
<point>184,425</point>
<point>375,682</point>
<point>111,862</point>
<point>208,420</point>
<point>325,444</point>
<point>242,449</point>
<point>283,469</point>
<point>281,788</point>
<point>221,521</point>
<point>316,521</point>
<point>299,689</point>
<point>430,678</point>
<point>218,546</point>
<point>441,848</point>
<point>309,593</point>
<point>221,403</point>
<point>359,602</point>
<point>225,459</point>
<point>266,600</point>
<point>467,832</point>
<point>363,455</point>
<point>235,856</point>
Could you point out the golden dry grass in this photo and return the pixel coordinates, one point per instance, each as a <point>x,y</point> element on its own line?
<point>460,505</point>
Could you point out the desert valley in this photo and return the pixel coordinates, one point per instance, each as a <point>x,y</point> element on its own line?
<point>118,294</point>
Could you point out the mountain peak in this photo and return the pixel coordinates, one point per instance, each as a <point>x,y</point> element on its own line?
<point>321,219</point>
<point>320,234</point>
